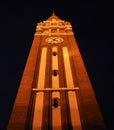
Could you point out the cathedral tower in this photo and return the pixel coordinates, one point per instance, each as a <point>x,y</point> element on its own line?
<point>55,91</point>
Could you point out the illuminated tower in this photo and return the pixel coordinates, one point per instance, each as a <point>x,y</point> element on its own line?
<point>55,91</point>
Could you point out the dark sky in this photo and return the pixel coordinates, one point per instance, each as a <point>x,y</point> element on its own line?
<point>93,27</point>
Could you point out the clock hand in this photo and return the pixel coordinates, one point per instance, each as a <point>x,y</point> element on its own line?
<point>54,39</point>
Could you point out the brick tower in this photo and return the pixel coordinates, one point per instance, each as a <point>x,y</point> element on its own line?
<point>55,91</point>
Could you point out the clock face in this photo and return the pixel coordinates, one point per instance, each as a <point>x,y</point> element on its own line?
<point>54,40</point>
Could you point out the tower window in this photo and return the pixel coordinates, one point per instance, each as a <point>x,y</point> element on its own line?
<point>54,53</point>
<point>54,72</point>
<point>55,102</point>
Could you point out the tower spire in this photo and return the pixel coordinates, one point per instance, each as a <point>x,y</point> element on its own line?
<point>53,12</point>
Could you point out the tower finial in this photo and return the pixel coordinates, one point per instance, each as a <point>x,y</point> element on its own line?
<point>53,12</point>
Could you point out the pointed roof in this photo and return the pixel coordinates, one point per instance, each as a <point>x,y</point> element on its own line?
<point>53,17</point>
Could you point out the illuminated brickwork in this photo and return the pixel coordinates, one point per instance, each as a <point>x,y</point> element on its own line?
<point>55,91</point>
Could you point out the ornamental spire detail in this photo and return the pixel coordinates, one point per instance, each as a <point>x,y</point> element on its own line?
<point>54,26</point>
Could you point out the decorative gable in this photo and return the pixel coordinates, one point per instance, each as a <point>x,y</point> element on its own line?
<point>54,26</point>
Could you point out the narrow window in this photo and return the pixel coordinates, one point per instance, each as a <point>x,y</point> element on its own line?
<point>54,72</point>
<point>55,102</point>
<point>54,53</point>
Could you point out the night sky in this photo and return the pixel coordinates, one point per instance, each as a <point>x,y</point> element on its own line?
<point>92,24</point>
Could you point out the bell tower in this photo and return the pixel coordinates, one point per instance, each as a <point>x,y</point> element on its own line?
<point>55,91</point>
